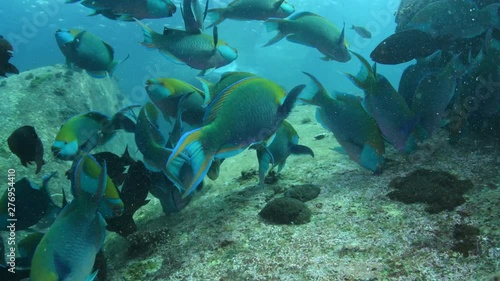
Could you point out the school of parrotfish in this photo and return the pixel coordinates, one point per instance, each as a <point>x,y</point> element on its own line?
<point>185,132</point>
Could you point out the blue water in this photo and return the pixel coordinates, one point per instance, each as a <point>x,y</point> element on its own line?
<point>30,26</point>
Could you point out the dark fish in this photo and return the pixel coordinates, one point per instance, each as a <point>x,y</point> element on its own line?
<point>169,195</point>
<point>407,45</point>
<point>6,51</point>
<point>25,144</point>
<point>414,73</point>
<point>32,203</point>
<point>133,195</point>
<point>115,164</point>
<point>361,31</point>
<point>193,15</point>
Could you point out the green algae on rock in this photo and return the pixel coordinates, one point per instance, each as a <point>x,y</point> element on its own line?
<point>303,192</point>
<point>286,210</point>
<point>440,190</point>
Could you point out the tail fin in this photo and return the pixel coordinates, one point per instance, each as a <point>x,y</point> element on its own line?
<point>200,161</point>
<point>148,34</point>
<point>315,93</point>
<point>274,25</point>
<point>121,121</point>
<point>287,106</point>
<point>216,16</point>
<point>116,63</point>
<point>365,75</point>
<point>493,12</point>
<point>11,69</point>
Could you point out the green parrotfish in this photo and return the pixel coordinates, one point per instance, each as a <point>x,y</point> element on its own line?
<point>284,144</point>
<point>245,112</point>
<point>311,30</point>
<point>166,94</point>
<point>87,51</point>
<point>197,50</point>
<point>355,130</point>
<point>68,250</point>
<point>84,132</point>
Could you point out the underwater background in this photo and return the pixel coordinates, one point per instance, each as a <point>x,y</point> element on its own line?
<point>346,221</point>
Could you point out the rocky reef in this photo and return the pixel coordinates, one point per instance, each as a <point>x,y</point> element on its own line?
<point>45,98</point>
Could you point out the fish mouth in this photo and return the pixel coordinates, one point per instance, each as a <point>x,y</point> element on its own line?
<point>57,152</point>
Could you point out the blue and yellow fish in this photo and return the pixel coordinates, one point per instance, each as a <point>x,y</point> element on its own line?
<point>245,112</point>
<point>68,250</point>
<point>197,50</point>
<point>166,94</point>
<point>285,143</point>
<point>355,130</point>
<point>83,132</point>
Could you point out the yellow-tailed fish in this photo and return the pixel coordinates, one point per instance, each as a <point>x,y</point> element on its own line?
<point>245,112</point>
<point>68,250</point>
<point>355,130</point>
<point>311,30</point>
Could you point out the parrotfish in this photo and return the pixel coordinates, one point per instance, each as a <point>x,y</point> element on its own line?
<point>407,45</point>
<point>69,248</point>
<point>166,94</point>
<point>169,195</point>
<point>197,50</point>
<point>150,141</point>
<point>6,51</point>
<point>86,51</point>
<point>84,132</point>
<point>25,144</point>
<point>251,10</point>
<point>355,130</point>
<point>455,19</point>
<point>361,31</point>
<point>128,10</point>
<point>433,94</point>
<point>283,145</point>
<point>246,112</point>
<point>386,106</point>
<point>413,74</point>
<point>112,206</point>
<point>311,30</point>
<point>31,205</point>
